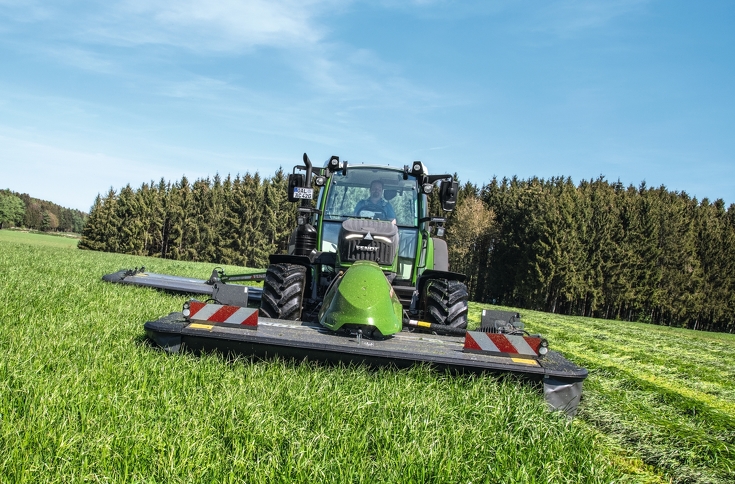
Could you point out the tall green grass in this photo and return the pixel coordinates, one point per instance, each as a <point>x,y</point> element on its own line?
<point>84,398</point>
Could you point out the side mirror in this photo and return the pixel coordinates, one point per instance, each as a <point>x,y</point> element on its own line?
<point>448,195</point>
<point>296,181</point>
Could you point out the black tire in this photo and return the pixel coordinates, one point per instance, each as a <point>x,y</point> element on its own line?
<point>283,291</point>
<point>446,303</point>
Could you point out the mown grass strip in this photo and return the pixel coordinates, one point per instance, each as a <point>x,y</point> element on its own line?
<point>645,392</point>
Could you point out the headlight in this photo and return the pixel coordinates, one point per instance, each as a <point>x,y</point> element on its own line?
<point>544,348</point>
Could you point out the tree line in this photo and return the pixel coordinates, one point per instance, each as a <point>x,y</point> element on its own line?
<point>602,249</point>
<point>597,248</point>
<point>237,221</point>
<point>22,210</point>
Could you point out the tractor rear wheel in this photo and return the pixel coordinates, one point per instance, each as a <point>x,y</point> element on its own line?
<point>283,291</point>
<point>446,302</point>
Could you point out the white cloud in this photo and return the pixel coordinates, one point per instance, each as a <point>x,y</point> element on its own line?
<point>24,10</point>
<point>337,90</point>
<point>227,26</point>
<point>200,87</point>
<point>570,17</point>
<point>296,30</point>
<point>82,58</point>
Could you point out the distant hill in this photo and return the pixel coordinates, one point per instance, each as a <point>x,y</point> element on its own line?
<point>38,214</point>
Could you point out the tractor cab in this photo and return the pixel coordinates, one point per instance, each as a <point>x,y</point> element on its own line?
<point>378,201</point>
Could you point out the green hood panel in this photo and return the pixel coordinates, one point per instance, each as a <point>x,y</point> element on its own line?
<point>362,298</point>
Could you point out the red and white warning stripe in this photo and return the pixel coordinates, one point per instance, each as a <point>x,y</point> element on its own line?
<point>218,313</point>
<point>504,344</point>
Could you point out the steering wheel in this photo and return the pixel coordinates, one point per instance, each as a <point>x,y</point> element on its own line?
<point>365,213</point>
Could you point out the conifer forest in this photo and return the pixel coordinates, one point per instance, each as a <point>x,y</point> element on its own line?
<point>596,248</point>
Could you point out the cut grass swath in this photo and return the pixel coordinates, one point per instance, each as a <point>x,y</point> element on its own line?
<point>667,394</point>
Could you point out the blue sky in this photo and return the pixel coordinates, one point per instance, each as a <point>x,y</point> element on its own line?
<point>96,95</point>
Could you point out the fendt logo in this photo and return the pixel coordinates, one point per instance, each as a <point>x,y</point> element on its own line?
<point>367,248</point>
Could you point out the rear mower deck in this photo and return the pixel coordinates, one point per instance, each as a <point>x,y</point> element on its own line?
<point>303,340</point>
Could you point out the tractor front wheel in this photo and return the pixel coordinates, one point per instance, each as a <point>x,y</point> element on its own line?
<point>283,291</point>
<point>446,303</point>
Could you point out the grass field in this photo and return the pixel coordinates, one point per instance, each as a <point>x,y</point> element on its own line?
<point>83,398</point>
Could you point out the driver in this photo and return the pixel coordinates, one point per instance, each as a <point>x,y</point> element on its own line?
<point>376,203</point>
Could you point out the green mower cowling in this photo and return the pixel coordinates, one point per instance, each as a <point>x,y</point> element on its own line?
<point>362,299</point>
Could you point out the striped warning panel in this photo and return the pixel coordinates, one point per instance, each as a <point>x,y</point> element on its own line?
<point>501,344</point>
<point>218,313</point>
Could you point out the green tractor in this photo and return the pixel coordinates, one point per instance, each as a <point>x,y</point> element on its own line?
<point>365,262</point>
<point>369,257</point>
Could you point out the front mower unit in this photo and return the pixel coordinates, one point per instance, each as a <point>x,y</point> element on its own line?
<point>302,340</point>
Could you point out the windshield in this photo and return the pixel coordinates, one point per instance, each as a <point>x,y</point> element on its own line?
<point>374,193</point>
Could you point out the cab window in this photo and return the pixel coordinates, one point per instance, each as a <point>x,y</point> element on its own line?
<point>346,192</point>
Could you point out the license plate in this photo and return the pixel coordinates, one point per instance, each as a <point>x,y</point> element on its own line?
<point>304,193</point>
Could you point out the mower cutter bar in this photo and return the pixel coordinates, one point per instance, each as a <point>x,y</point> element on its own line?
<point>562,379</point>
<point>187,285</point>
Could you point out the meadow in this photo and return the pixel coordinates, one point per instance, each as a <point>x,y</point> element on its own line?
<point>85,398</point>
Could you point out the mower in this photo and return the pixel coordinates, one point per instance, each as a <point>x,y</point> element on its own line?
<point>365,280</point>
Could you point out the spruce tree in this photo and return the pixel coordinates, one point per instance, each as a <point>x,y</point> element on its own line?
<point>93,233</point>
